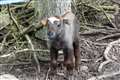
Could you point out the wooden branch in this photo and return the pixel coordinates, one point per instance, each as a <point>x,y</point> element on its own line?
<point>34,54</point>
<point>102,64</point>
<point>104,7</point>
<point>35,50</point>
<point>104,76</point>
<point>107,16</point>
<point>27,4</point>
<point>26,36</point>
<point>46,77</point>
<point>95,32</point>
<point>4,41</point>
<point>13,19</point>
<point>95,43</point>
<point>110,45</point>
<point>1,28</point>
<point>100,31</point>
<point>23,50</point>
<point>116,1</point>
<point>109,36</point>
<point>106,54</point>
<point>21,63</point>
<point>95,26</point>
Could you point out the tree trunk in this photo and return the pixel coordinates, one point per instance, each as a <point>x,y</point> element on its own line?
<point>48,8</point>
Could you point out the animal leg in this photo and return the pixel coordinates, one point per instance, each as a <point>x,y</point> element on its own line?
<point>53,56</point>
<point>76,53</point>
<point>69,60</point>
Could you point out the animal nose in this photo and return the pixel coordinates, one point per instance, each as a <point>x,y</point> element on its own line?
<point>50,33</point>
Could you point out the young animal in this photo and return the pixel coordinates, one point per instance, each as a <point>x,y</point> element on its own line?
<point>63,33</point>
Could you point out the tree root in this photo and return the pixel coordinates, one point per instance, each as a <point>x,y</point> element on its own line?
<point>106,54</point>
<point>109,36</point>
<point>104,76</point>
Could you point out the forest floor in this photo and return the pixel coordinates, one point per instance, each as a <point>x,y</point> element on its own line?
<point>100,58</point>
<point>92,55</point>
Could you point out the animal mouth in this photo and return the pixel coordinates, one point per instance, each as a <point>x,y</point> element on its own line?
<point>51,37</point>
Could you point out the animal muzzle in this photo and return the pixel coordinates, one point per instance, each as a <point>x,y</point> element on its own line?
<point>51,35</point>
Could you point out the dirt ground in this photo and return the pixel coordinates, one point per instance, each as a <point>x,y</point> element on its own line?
<point>91,58</point>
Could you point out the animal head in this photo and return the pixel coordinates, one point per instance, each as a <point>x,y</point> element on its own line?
<point>55,26</point>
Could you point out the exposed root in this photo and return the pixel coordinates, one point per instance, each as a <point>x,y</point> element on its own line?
<point>104,76</point>
<point>102,64</point>
<point>107,55</point>
<point>109,36</point>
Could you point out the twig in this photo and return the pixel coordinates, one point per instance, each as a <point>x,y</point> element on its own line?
<point>23,50</point>
<point>35,50</point>
<point>4,40</point>
<point>24,15</point>
<point>109,47</point>
<point>96,26</point>
<point>99,30</point>
<point>95,43</point>
<point>116,1</point>
<point>2,27</point>
<point>61,75</point>
<point>27,4</point>
<point>104,7</point>
<point>13,19</point>
<point>95,32</point>
<point>107,16</point>
<point>106,54</point>
<point>46,77</point>
<point>109,36</point>
<point>99,59</point>
<point>102,64</point>
<point>21,63</point>
<point>28,29</point>
<point>6,55</point>
<point>92,6</point>
<point>34,54</point>
<point>105,76</point>
<point>26,36</point>
<point>116,14</point>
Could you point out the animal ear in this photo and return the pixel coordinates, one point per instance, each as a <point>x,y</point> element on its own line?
<point>66,21</point>
<point>44,22</point>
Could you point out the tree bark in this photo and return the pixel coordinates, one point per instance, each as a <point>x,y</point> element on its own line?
<point>47,8</point>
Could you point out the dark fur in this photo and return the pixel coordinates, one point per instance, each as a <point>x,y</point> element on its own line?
<point>67,40</point>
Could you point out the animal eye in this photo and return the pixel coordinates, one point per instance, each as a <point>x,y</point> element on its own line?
<point>58,25</point>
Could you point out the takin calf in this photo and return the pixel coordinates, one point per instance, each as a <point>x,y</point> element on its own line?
<point>63,33</point>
